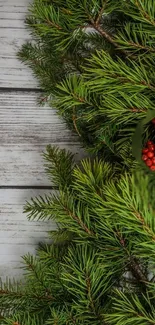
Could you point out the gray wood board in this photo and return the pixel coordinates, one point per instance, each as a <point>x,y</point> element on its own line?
<point>25,130</point>
<point>18,236</point>
<point>13,74</point>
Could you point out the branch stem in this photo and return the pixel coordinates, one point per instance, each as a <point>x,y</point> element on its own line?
<point>107,36</point>
<point>101,13</point>
<point>136,271</point>
<point>74,123</point>
<point>79,221</point>
<point>133,265</point>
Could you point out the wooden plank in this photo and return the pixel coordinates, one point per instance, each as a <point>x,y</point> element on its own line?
<point>13,5</point>
<point>18,236</point>
<point>25,130</point>
<point>13,34</point>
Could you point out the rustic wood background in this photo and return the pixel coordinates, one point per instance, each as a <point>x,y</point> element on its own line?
<point>25,130</point>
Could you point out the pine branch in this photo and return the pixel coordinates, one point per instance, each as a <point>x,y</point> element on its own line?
<point>145,226</point>
<point>133,264</point>
<point>131,310</point>
<point>142,9</point>
<point>74,122</point>
<point>135,269</point>
<point>138,38</point>
<point>15,295</point>
<point>96,24</point>
<point>79,221</point>
<point>32,266</point>
<point>67,34</point>
<point>107,36</point>
<point>96,59</point>
<point>59,165</point>
<point>101,12</point>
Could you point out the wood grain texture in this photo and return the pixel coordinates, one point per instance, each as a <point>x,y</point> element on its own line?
<point>13,34</point>
<point>18,236</point>
<point>25,130</point>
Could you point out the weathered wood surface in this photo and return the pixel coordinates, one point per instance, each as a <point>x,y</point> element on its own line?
<point>25,130</point>
<point>13,74</point>
<point>18,236</point>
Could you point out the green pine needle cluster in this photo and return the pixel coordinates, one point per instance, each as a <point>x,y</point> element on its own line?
<point>99,268</point>
<point>94,60</point>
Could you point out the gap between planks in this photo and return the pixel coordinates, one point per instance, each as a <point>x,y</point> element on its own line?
<point>35,187</point>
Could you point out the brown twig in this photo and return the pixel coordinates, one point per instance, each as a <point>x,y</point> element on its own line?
<point>135,269</point>
<point>88,283</point>
<point>80,99</point>
<point>96,25</point>
<point>144,13</point>
<point>133,264</point>
<point>138,110</point>
<point>148,85</point>
<point>51,23</point>
<point>125,80</point>
<point>44,99</point>
<point>92,301</point>
<point>75,126</point>
<point>80,222</point>
<point>107,36</point>
<point>66,11</point>
<point>143,223</point>
<point>142,47</point>
<point>101,13</point>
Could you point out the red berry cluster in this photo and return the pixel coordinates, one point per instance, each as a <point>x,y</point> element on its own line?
<point>148,155</point>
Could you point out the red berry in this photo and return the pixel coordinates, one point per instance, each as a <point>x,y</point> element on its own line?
<point>148,162</point>
<point>153,160</point>
<point>149,142</point>
<point>151,147</point>
<point>145,150</point>
<point>152,168</point>
<point>150,154</point>
<point>144,157</point>
<point>153,120</point>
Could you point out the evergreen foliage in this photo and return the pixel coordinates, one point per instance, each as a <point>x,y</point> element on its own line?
<point>95,63</point>
<point>94,60</point>
<point>100,267</point>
